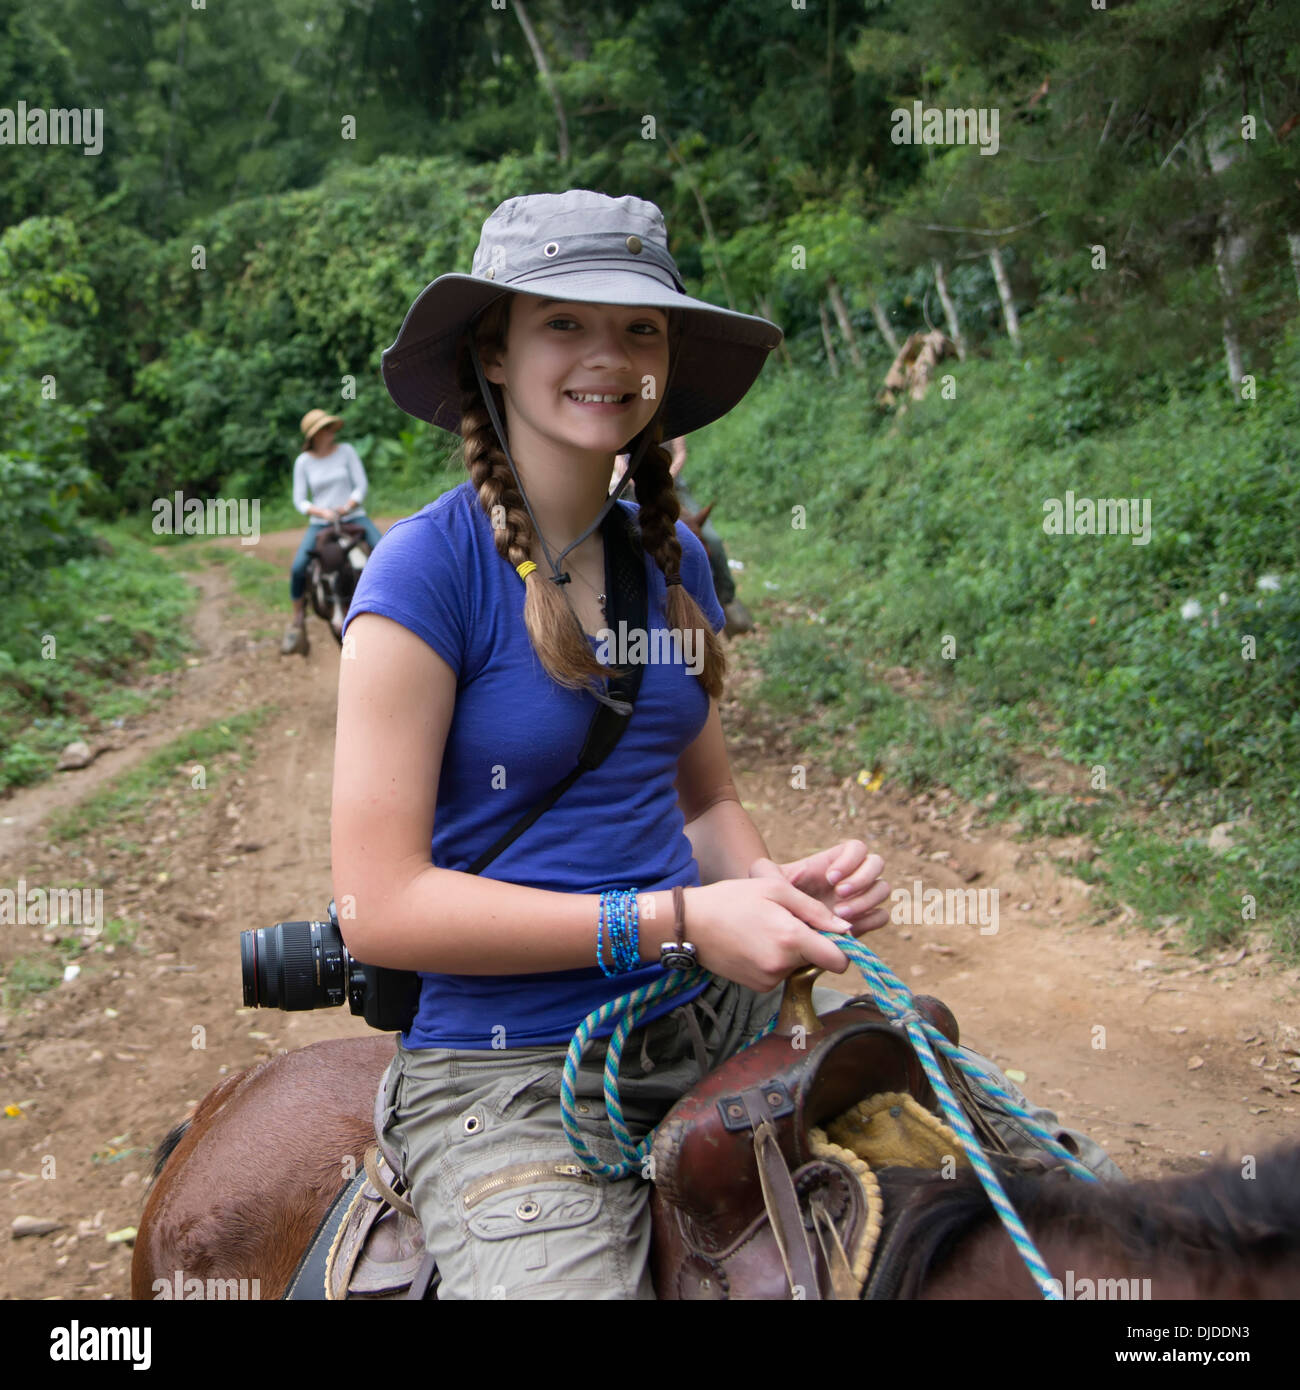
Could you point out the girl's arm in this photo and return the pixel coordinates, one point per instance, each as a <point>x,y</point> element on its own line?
<point>360,483</point>
<point>300,491</point>
<point>726,842</point>
<point>300,501</point>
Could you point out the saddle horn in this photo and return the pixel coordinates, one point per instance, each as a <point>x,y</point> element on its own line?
<point>796,1003</point>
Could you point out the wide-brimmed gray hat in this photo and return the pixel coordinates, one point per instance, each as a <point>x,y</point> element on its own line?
<point>586,247</point>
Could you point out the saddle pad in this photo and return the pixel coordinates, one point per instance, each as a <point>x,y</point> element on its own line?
<point>308,1280</point>
<point>891,1130</point>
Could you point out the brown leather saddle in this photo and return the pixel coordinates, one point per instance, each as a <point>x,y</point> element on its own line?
<point>327,548</point>
<point>744,1204</point>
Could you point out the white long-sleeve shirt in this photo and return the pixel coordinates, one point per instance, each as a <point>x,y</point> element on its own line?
<point>330,480</point>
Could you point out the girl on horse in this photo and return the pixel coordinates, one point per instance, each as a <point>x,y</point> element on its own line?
<point>466,693</point>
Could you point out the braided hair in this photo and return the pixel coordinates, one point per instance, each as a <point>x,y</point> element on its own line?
<point>553,627</point>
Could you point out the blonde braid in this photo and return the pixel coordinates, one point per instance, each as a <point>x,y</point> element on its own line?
<point>661,508</point>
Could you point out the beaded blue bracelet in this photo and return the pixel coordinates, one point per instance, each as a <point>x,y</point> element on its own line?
<point>605,918</point>
<point>618,929</point>
<point>619,919</point>
<point>631,942</point>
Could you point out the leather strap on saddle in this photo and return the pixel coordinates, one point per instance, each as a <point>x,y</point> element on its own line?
<point>381,1184</point>
<point>781,1203</point>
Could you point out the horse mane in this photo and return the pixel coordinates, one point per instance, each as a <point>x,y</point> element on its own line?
<point>1214,1213</point>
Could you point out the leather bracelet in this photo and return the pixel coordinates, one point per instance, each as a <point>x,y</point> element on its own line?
<point>678,954</point>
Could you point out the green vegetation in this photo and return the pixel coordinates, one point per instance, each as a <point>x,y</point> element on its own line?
<point>953,636</point>
<point>27,975</point>
<point>128,798</point>
<point>110,615</point>
<point>35,972</point>
<point>276,184</point>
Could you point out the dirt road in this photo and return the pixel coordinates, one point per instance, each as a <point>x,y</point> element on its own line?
<point>1166,1059</point>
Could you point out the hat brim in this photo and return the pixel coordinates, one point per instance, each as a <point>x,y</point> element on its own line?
<point>323,424</point>
<point>719,357</point>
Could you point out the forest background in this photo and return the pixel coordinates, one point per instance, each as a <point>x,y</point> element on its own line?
<point>1119,279</point>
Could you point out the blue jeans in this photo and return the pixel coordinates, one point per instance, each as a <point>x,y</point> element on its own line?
<point>298,573</point>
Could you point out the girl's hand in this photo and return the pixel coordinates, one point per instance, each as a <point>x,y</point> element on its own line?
<point>845,878</point>
<point>757,930</point>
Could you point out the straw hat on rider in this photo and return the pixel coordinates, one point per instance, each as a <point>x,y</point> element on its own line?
<point>314,421</point>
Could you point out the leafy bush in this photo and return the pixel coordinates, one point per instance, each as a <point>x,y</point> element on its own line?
<point>44,365</point>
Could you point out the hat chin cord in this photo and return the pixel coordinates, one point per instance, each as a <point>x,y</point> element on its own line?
<point>557,576</point>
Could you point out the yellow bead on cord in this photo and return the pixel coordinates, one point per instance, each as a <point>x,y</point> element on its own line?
<point>526,568</point>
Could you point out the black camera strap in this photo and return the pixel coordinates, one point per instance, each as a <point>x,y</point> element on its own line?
<point>625,583</point>
<point>391,997</point>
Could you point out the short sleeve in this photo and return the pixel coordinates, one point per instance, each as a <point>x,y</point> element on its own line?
<point>697,575</point>
<point>417,579</point>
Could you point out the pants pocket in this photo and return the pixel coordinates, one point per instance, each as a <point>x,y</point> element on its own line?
<point>527,1198</point>
<point>543,1227</point>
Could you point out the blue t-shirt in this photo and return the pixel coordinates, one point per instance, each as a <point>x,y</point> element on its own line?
<point>514,734</point>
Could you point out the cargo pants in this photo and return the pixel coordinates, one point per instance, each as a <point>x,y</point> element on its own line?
<point>509,1212</point>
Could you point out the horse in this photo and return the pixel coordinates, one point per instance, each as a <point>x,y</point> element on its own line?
<point>240,1186</point>
<point>738,617</point>
<point>1231,1231</point>
<point>333,570</point>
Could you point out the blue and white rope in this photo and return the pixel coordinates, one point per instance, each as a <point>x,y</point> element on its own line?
<point>632,1008</point>
<point>899,1006</point>
<point>894,1000</point>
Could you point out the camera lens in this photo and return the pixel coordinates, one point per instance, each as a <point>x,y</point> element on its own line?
<point>293,965</point>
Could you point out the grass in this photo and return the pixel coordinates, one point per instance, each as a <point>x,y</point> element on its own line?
<point>166,776</point>
<point>35,972</point>
<point>260,587</point>
<point>28,975</point>
<point>128,798</point>
<point>74,641</point>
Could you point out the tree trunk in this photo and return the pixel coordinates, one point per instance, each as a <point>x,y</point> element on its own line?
<point>1222,145</point>
<point>1229,248</point>
<point>949,311</point>
<point>842,318</point>
<point>826,338</point>
<point>1293,242</point>
<point>765,308</point>
<point>177,79</point>
<point>883,324</point>
<point>1227,286</point>
<point>539,57</point>
<point>1004,294</point>
<point>830,70</point>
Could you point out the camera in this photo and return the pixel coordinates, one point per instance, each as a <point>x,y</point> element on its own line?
<point>305,965</point>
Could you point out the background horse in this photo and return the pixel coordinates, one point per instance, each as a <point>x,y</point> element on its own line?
<point>334,570</point>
